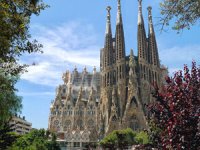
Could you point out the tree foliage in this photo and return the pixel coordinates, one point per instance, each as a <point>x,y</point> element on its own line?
<point>7,137</point>
<point>36,140</point>
<point>142,137</point>
<point>15,40</point>
<point>10,103</point>
<point>184,13</point>
<point>176,111</point>
<point>124,138</point>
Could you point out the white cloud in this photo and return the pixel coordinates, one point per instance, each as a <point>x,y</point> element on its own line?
<point>64,47</point>
<point>44,73</point>
<point>176,57</point>
<point>77,44</point>
<point>180,54</point>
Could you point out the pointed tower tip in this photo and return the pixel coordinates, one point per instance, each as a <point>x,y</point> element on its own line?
<point>151,30</point>
<point>119,16</point>
<point>108,24</point>
<point>140,5</point>
<point>108,8</point>
<point>140,18</point>
<point>149,8</point>
<point>119,2</point>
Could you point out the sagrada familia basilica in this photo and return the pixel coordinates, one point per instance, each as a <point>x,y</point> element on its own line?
<point>88,106</point>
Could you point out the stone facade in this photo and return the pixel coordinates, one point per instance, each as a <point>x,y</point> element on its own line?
<point>90,105</point>
<point>126,81</point>
<point>75,108</point>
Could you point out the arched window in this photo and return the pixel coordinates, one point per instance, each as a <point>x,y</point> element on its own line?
<point>67,124</point>
<point>68,110</point>
<point>80,123</point>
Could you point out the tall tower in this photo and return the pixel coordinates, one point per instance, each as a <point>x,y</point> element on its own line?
<point>141,35</point>
<point>120,67</point>
<point>120,47</point>
<point>107,72</point>
<point>107,54</point>
<point>142,44</point>
<point>153,49</point>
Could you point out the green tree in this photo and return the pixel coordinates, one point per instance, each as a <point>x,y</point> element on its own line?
<point>52,145</point>
<point>15,40</point>
<point>119,139</point>
<point>183,13</point>
<point>36,140</point>
<point>142,138</point>
<point>10,103</point>
<point>7,137</point>
<point>109,141</point>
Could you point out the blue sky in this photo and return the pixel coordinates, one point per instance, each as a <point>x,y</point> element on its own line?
<point>72,33</point>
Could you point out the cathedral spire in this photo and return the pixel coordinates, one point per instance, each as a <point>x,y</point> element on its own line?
<point>119,37</point>
<point>108,49</point>
<point>119,15</point>
<point>151,29</point>
<point>108,24</point>
<point>108,52</point>
<point>140,17</point>
<point>142,51</point>
<point>152,44</point>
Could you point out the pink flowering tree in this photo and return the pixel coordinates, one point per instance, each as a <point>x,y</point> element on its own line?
<point>176,111</point>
